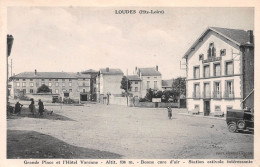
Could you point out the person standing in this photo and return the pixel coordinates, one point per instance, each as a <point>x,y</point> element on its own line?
<point>18,108</point>
<point>41,107</point>
<point>169,112</point>
<point>32,107</point>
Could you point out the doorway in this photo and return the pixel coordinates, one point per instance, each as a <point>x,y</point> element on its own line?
<point>83,97</point>
<point>206,108</point>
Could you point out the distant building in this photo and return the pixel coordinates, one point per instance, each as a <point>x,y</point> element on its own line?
<point>135,85</point>
<point>62,84</point>
<point>151,79</point>
<point>167,84</point>
<point>93,75</point>
<point>108,83</point>
<point>220,71</point>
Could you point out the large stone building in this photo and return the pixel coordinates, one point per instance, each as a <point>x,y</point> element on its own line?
<point>62,84</point>
<point>108,83</point>
<point>151,79</point>
<point>220,71</point>
<point>135,85</point>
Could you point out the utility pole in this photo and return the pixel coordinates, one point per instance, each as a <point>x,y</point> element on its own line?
<point>11,67</point>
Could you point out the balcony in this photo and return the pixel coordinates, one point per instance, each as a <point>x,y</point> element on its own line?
<point>217,95</point>
<point>196,95</point>
<point>229,95</point>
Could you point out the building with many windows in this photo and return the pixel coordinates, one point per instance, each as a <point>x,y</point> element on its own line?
<point>151,78</point>
<point>61,84</point>
<point>220,71</point>
<point>135,85</point>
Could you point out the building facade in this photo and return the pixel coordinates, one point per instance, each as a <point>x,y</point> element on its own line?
<point>135,85</point>
<point>220,71</point>
<point>62,85</point>
<point>151,79</point>
<point>108,83</point>
<point>167,84</point>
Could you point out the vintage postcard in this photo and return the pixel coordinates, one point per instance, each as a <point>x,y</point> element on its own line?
<point>129,84</point>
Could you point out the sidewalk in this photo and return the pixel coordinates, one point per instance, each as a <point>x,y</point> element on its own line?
<point>202,116</point>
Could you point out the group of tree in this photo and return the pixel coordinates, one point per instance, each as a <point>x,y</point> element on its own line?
<point>43,89</point>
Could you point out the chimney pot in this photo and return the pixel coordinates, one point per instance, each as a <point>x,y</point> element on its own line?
<point>35,72</point>
<point>156,68</point>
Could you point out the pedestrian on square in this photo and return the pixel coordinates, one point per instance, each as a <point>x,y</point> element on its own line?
<point>41,107</point>
<point>18,108</point>
<point>169,112</point>
<point>32,107</point>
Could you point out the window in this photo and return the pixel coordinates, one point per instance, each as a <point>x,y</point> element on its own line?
<point>24,91</point>
<point>31,90</point>
<point>63,79</point>
<point>18,84</point>
<point>155,77</point>
<point>201,57</point>
<point>42,79</point>
<point>31,79</point>
<point>51,90</point>
<point>155,84</point>
<point>206,90</point>
<point>70,84</point>
<point>229,68</point>
<point>84,90</point>
<point>217,92</point>
<point>217,108</point>
<point>70,90</point>
<point>63,84</point>
<point>31,84</point>
<point>56,79</point>
<point>43,83</point>
<point>57,84</point>
<point>57,91</point>
<point>229,93</point>
<point>17,79</point>
<point>148,84</point>
<point>66,94</point>
<point>222,52</point>
<point>49,84</point>
<point>148,77</point>
<point>69,79</point>
<point>211,50</point>
<point>136,82</point>
<point>196,93</point>
<point>206,71</point>
<point>83,84</point>
<point>229,107</point>
<point>84,79</point>
<point>217,69</point>
<point>49,79</point>
<point>196,72</point>
<point>23,79</point>
<point>24,84</point>
<point>136,89</point>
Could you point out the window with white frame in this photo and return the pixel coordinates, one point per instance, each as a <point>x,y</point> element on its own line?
<point>217,69</point>
<point>18,84</point>
<point>148,84</point>
<point>63,84</point>
<point>49,84</point>
<point>136,89</point>
<point>56,91</point>
<point>206,71</point>
<point>229,68</point>
<point>196,72</point>
<point>57,84</point>
<point>31,84</point>
<point>70,84</point>
<point>155,84</point>
<point>24,84</point>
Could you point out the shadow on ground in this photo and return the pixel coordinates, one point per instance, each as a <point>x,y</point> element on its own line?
<point>46,115</point>
<point>31,144</point>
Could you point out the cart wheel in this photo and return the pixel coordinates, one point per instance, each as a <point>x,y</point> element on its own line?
<point>241,124</point>
<point>232,127</point>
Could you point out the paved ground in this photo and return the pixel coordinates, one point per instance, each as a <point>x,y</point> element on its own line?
<point>125,132</point>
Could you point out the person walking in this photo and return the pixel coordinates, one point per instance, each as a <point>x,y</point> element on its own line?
<point>18,108</point>
<point>169,112</point>
<point>41,107</point>
<point>32,107</point>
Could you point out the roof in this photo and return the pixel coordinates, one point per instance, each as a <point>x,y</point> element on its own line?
<point>167,83</point>
<point>133,78</point>
<point>237,36</point>
<point>149,72</point>
<point>89,71</point>
<point>111,71</point>
<point>53,75</point>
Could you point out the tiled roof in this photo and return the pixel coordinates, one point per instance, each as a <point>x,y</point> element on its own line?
<point>113,71</point>
<point>149,72</point>
<point>133,78</point>
<point>239,37</point>
<point>54,75</point>
<point>167,83</point>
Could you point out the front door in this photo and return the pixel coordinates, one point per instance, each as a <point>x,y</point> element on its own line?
<point>206,108</point>
<point>83,97</point>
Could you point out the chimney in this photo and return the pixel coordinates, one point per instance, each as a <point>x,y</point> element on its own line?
<point>156,68</point>
<point>251,36</point>
<point>35,72</point>
<point>107,69</point>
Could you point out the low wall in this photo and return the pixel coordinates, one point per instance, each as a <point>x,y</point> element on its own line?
<point>152,105</point>
<point>118,100</point>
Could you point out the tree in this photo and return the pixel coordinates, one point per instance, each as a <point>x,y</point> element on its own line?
<point>124,84</point>
<point>179,86</point>
<point>149,95</point>
<point>43,89</point>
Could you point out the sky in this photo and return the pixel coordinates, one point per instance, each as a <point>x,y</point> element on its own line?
<point>74,39</point>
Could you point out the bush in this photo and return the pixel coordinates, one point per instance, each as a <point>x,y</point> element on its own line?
<point>143,100</point>
<point>23,97</point>
<point>43,89</point>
